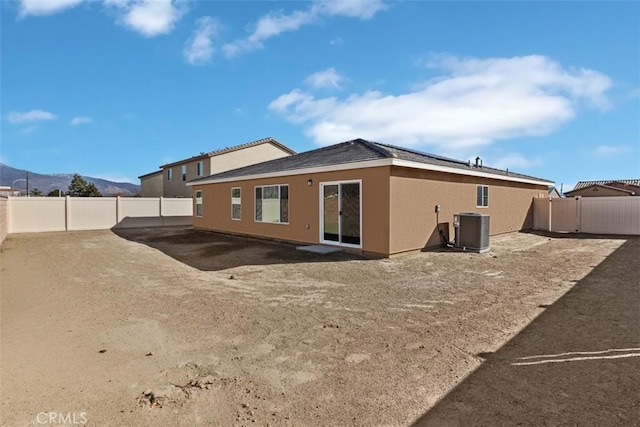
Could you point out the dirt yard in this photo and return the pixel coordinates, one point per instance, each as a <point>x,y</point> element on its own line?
<point>176,327</point>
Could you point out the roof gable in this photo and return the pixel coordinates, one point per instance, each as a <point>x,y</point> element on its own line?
<point>583,184</point>
<point>226,150</point>
<point>608,187</point>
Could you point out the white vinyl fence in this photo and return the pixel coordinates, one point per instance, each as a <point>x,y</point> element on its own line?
<point>4,228</point>
<point>38,214</point>
<point>595,215</point>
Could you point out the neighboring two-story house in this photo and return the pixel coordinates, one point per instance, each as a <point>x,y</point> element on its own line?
<point>171,180</point>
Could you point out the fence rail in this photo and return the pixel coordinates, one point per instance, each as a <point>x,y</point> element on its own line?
<point>39,214</point>
<point>595,215</point>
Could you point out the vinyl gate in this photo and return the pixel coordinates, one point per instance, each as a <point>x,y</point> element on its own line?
<point>595,215</point>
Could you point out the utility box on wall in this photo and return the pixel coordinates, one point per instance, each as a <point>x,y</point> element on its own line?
<point>471,231</point>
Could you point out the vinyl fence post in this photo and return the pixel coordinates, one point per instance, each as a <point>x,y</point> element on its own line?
<point>161,206</point>
<point>67,212</point>
<point>118,210</point>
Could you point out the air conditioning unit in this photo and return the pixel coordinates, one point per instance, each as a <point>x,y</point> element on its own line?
<point>471,231</point>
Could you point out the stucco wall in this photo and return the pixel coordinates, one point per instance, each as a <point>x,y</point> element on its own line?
<point>216,164</point>
<point>304,208</point>
<point>177,187</point>
<point>245,157</point>
<point>414,194</point>
<point>151,185</point>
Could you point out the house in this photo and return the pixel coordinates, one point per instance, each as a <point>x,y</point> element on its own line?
<point>171,179</point>
<point>151,184</point>
<point>621,187</point>
<point>554,193</point>
<point>371,197</point>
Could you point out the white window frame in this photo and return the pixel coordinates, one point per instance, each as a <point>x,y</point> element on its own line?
<point>279,201</point>
<point>169,174</point>
<point>236,201</point>
<point>198,202</point>
<point>184,172</point>
<point>484,202</point>
<point>321,205</point>
<point>200,168</point>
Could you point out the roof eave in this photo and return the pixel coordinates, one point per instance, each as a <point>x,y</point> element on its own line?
<point>149,174</point>
<point>370,164</point>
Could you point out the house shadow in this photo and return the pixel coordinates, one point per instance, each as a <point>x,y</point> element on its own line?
<point>211,251</point>
<point>577,363</point>
<point>573,235</point>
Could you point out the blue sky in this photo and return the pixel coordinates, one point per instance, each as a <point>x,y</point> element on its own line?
<point>115,88</point>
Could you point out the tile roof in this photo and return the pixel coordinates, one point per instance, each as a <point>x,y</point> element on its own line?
<point>357,150</point>
<point>610,187</point>
<point>583,184</point>
<point>231,149</point>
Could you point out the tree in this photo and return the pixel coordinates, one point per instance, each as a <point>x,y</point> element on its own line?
<point>55,193</point>
<point>35,192</point>
<point>79,187</point>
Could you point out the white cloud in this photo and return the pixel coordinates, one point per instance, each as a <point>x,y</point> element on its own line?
<point>610,150</point>
<point>268,26</point>
<point>276,23</point>
<point>474,102</point>
<point>514,161</point>
<point>80,120</point>
<point>336,41</point>
<point>199,48</point>
<point>15,117</point>
<point>46,7</point>
<point>361,9</point>
<point>328,78</point>
<point>149,17</point>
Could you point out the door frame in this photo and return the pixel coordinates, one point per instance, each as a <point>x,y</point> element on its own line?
<point>321,205</point>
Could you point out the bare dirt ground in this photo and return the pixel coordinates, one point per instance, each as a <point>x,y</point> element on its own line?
<point>177,327</point>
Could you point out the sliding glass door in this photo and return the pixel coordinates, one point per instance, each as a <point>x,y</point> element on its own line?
<point>341,213</point>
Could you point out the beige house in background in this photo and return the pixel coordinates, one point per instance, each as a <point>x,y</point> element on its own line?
<point>370,197</point>
<point>171,180</point>
<point>621,187</point>
<point>151,184</point>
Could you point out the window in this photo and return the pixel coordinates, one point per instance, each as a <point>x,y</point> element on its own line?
<point>236,203</point>
<point>272,204</point>
<point>169,174</point>
<point>200,168</point>
<point>199,203</point>
<point>482,196</point>
<point>184,172</point>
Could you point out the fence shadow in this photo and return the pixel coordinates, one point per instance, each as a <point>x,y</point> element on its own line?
<point>578,363</point>
<point>211,251</point>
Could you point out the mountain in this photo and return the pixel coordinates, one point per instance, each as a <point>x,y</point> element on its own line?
<point>50,182</point>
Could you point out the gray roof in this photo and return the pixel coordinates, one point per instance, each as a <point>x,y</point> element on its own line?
<point>583,184</point>
<point>357,150</point>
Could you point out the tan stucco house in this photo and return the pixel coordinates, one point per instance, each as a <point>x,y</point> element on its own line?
<point>151,184</point>
<point>171,179</point>
<point>617,188</point>
<point>371,197</point>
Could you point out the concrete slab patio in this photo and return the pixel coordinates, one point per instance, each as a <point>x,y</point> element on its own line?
<point>171,327</point>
